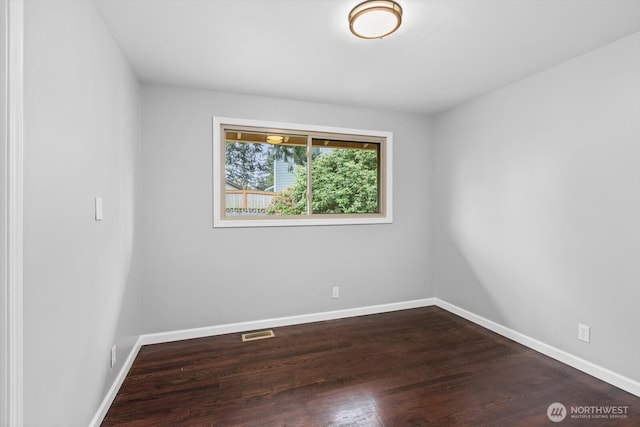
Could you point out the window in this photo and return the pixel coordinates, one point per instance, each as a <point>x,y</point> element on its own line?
<point>282,174</point>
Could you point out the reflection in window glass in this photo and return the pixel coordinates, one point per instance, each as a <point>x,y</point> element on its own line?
<point>260,173</point>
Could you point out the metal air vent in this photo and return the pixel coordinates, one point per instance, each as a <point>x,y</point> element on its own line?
<point>260,335</point>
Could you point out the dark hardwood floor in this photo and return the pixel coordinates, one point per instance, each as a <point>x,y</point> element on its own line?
<point>407,368</point>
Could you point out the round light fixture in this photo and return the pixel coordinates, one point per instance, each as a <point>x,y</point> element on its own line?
<point>375,19</point>
<point>275,139</point>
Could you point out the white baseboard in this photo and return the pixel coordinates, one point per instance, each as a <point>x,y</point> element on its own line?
<point>115,387</point>
<point>231,328</point>
<point>592,369</point>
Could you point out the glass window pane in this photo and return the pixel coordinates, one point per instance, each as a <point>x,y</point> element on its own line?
<point>262,174</point>
<point>345,177</point>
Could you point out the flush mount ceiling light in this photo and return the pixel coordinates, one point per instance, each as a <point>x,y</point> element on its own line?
<point>375,19</point>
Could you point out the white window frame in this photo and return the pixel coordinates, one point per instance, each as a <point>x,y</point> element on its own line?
<point>219,220</point>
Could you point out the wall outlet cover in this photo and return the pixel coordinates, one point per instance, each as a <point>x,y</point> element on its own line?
<point>113,356</point>
<point>584,333</point>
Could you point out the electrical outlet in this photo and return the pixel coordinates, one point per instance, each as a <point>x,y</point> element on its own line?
<point>335,292</point>
<point>584,333</point>
<point>113,356</point>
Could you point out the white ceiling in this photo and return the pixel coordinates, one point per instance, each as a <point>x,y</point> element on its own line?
<point>445,53</point>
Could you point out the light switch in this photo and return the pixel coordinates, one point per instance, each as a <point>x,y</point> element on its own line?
<point>99,216</point>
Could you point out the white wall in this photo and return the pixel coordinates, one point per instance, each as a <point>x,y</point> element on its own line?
<point>4,214</point>
<point>194,275</point>
<point>538,206</point>
<point>82,132</point>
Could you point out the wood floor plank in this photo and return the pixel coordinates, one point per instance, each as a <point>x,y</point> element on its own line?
<point>407,368</point>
